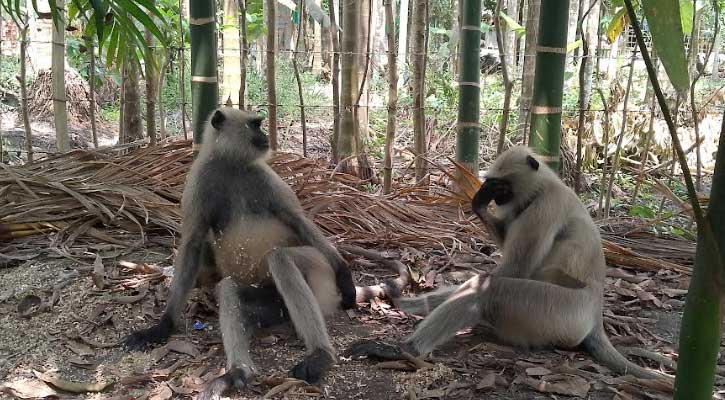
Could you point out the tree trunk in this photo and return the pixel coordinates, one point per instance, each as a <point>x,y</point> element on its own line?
<point>362,99</point>
<point>2,157</point>
<point>317,45</point>
<point>160,98</point>
<point>303,121</point>
<point>694,38</point>
<point>182,69</point>
<point>243,53</point>
<point>349,128</point>
<point>271,6</point>
<point>204,85</point>
<point>230,52</point>
<point>92,89</point>
<point>506,62</point>
<point>402,41</point>
<point>585,86</point>
<point>418,61</point>
<point>469,89</point>
<point>60,111</point>
<point>512,10</point>
<point>132,124</point>
<point>545,135</point>
<point>527,80</point>
<point>24,91</point>
<point>335,70</point>
<point>392,97</point>
<point>151,85</point>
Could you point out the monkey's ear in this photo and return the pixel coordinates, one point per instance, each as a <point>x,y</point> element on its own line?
<point>255,122</point>
<point>532,163</point>
<point>217,120</point>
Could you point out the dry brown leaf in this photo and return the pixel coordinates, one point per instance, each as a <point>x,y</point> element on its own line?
<point>161,392</point>
<point>537,371</point>
<point>28,305</point>
<point>99,273</point>
<point>283,387</point>
<point>69,386</point>
<point>28,389</point>
<point>400,365</point>
<point>570,385</point>
<point>487,382</point>
<point>184,347</point>
<point>81,349</point>
<point>133,298</point>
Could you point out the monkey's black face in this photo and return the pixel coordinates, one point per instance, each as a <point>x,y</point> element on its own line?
<point>496,189</point>
<point>260,141</point>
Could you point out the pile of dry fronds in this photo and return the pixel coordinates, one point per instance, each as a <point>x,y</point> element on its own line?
<point>132,195</point>
<point>77,93</point>
<point>124,199</point>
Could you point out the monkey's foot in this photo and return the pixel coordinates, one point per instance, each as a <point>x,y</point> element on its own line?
<point>378,350</point>
<point>313,367</point>
<point>235,378</point>
<point>347,288</point>
<point>155,334</point>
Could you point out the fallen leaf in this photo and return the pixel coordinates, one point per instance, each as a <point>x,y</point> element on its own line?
<point>674,292</point>
<point>99,273</point>
<point>537,371</point>
<point>570,385</point>
<point>161,392</point>
<point>79,348</point>
<point>133,298</point>
<point>487,382</point>
<point>269,340</point>
<point>28,305</point>
<point>397,365</point>
<point>283,387</point>
<point>184,347</point>
<point>68,386</point>
<point>28,389</point>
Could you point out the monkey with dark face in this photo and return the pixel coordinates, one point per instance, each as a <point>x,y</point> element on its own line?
<point>243,226</point>
<point>548,290</point>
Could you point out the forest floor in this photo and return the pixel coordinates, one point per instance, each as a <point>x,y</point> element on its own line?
<point>77,339</point>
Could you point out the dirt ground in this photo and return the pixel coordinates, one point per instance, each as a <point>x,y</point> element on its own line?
<point>77,340</point>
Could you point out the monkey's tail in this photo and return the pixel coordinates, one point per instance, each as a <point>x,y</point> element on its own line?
<point>599,346</point>
<point>392,288</point>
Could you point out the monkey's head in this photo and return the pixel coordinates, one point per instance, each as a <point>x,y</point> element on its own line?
<point>514,175</point>
<point>236,133</point>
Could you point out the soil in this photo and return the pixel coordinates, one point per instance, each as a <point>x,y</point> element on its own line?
<point>77,339</point>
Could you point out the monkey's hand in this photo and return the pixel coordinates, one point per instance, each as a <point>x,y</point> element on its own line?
<point>343,278</point>
<point>155,334</point>
<point>380,350</point>
<point>236,378</point>
<point>495,189</point>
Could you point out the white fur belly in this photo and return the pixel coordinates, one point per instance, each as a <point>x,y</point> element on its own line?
<point>241,249</point>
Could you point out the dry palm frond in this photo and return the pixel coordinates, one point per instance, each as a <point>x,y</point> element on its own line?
<point>122,198</point>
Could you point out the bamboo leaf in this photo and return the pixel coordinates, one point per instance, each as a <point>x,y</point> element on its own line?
<point>617,24</point>
<point>513,25</point>
<point>572,46</point>
<point>686,10</point>
<point>99,12</point>
<point>665,24</point>
<point>143,18</point>
<point>112,45</point>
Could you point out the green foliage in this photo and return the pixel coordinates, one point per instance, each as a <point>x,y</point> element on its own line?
<point>9,70</point>
<point>642,212</point>
<point>665,24</point>
<point>287,95</point>
<point>111,112</point>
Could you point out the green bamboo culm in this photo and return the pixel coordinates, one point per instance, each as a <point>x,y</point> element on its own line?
<point>469,89</point>
<point>545,133</point>
<point>701,321</point>
<point>204,83</point>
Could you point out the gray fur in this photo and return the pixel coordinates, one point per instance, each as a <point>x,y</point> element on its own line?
<point>237,208</point>
<point>549,288</point>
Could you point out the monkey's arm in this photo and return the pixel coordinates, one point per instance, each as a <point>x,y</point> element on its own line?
<point>310,235</point>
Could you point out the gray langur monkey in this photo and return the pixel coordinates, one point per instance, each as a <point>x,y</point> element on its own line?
<point>548,290</point>
<point>244,228</point>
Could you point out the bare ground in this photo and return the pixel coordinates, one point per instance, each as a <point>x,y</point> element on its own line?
<point>76,339</point>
